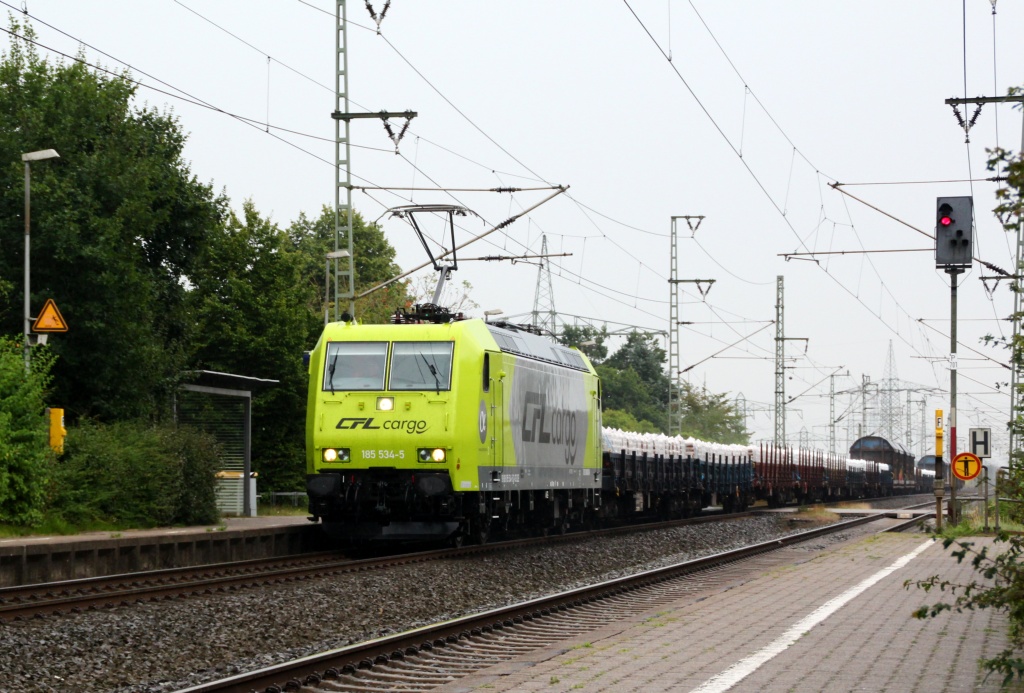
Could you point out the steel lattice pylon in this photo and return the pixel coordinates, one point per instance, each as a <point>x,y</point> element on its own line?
<point>780,365</point>
<point>674,390</point>
<point>675,387</point>
<point>892,409</point>
<point>344,267</point>
<point>544,315</point>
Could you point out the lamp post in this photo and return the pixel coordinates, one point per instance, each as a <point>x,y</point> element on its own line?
<point>333,255</point>
<point>41,155</point>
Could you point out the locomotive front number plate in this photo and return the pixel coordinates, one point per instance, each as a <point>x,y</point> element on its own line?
<point>383,454</point>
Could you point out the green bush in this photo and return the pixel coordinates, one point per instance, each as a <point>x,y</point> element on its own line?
<point>197,498</point>
<point>1002,589</point>
<point>25,455</point>
<point>133,474</point>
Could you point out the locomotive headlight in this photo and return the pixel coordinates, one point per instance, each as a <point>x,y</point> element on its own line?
<point>385,404</point>
<point>432,454</point>
<point>336,455</point>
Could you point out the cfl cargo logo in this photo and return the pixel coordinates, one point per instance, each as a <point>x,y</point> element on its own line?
<point>562,422</point>
<point>366,423</point>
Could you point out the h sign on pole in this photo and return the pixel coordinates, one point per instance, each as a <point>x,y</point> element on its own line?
<point>981,442</point>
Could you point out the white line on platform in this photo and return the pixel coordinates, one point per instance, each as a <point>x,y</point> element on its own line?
<point>745,667</point>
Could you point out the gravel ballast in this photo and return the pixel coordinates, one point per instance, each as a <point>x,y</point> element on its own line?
<point>167,646</point>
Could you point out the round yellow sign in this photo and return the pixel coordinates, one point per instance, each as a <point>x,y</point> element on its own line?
<point>966,466</point>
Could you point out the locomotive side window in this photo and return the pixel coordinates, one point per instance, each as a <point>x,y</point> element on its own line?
<point>421,366</point>
<point>355,366</point>
<point>487,372</point>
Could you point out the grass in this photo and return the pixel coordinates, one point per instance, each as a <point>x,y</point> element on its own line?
<point>281,510</point>
<point>814,514</point>
<point>972,522</point>
<point>56,526</point>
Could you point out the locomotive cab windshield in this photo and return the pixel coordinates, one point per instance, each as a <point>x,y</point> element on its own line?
<point>415,366</point>
<point>421,366</point>
<point>355,366</point>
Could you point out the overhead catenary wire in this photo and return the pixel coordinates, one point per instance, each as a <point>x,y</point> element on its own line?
<point>583,268</point>
<point>756,179</point>
<point>694,365</point>
<point>472,123</point>
<point>196,101</point>
<point>450,189</point>
<point>461,245</point>
<point>253,123</point>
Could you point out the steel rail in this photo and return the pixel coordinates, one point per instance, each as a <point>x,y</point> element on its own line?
<point>82,594</point>
<point>74,596</point>
<point>314,669</point>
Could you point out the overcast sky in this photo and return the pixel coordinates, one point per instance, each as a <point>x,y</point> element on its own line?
<point>762,106</point>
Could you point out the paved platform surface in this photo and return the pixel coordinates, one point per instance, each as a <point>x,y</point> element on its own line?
<point>225,524</point>
<point>837,620</point>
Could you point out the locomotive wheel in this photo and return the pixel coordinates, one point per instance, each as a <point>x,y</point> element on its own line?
<point>563,526</point>
<point>481,530</point>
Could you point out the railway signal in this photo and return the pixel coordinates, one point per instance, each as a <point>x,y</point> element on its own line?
<point>954,252</point>
<point>954,240</point>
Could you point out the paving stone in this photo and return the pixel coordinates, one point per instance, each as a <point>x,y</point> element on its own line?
<point>870,644</point>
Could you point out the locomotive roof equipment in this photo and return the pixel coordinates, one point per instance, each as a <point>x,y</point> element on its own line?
<point>444,270</point>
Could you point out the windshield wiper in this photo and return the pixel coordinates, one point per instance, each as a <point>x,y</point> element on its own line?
<point>330,371</point>
<point>433,372</point>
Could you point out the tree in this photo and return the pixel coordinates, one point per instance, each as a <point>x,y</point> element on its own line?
<point>625,391</point>
<point>634,382</point>
<point>457,296</point>
<point>587,339</point>
<point>25,455</point>
<point>117,225</point>
<point>374,259</point>
<point>254,317</point>
<point>642,354</point>
<point>258,300</point>
<point>624,421</point>
<point>711,417</point>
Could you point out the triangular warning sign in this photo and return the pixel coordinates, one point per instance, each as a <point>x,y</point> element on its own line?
<point>50,319</point>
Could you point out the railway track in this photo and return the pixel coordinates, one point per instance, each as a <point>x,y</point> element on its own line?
<point>424,658</point>
<point>90,594</point>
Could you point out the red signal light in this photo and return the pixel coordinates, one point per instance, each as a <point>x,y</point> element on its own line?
<point>945,220</point>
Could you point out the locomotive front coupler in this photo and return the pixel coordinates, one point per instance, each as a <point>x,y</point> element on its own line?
<point>382,501</point>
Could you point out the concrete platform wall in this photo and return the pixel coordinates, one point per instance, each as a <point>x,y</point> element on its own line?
<point>71,558</point>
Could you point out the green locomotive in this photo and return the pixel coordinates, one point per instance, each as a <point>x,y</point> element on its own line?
<point>449,430</point>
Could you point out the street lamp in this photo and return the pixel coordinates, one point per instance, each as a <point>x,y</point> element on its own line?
<point>41,155</point>
<point>333,255</point>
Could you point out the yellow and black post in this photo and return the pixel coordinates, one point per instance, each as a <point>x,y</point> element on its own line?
<point>55,417</point>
